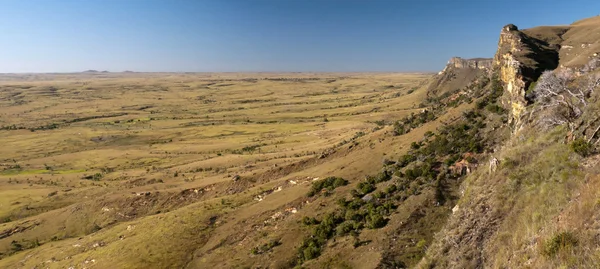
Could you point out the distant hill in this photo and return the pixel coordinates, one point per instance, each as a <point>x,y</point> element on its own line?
<point>91,71</point>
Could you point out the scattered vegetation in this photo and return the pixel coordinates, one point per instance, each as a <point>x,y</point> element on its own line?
<point>265,247</point>
<point>563,241</point>
<point>327,185</point>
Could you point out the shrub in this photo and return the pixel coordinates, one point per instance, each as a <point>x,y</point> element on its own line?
<point>375,220</point>
<point>366,187</point>
<point>309,221</point>
<point>415,145</point>
<point>582,147</point>
<point>309,250</point>
<point>265,247</point>
<point>495,109</point>
<point>329,183</point>
<point>406,159</point>
<point>559,242</point>
<point>391,189</point>
<point>345,228</point>
<point>355,203</point>
<point>379,195</point>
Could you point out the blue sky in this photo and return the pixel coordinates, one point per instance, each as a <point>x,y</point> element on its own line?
<point>262,35</point>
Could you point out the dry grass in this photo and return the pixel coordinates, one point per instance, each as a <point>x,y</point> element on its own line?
<point>512,217</point>
<point>181,138</point>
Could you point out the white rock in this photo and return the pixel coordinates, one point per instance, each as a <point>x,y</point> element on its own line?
<point>455,208</point>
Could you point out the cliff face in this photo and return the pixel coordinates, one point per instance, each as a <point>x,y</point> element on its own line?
<point>458,74</point>
<point>520,60</point>
<point>510,71</point>
<point>524,209</point>
<point>477,63</point>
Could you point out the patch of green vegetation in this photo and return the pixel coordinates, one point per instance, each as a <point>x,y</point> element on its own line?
<point>563,241</point>
<point>422,167</point>
<point>11,172</point>
<point>494,108</point>
<point>63,172</point>
<point>582,147</point>
<point>16,246</point>
<point>265,247</point>
<point>327,184</point>
<point>94,177</point>
<point>413,121</point>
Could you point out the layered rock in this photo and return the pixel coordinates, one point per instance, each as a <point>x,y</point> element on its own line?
<point>458,74</point>
<point>519,61</point>
<point>477,63</point>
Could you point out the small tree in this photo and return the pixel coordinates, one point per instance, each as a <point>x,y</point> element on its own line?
<point>561,99</point>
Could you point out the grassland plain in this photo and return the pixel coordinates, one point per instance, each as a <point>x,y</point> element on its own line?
<point>172,170</point>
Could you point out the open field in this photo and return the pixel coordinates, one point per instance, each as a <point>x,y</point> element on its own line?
<point>178,169</point>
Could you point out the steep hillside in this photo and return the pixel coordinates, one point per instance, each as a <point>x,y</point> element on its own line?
<point>535,204</point>
<point>457,74</point>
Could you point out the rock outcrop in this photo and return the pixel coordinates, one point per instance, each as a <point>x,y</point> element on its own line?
<point>477,63</point>
<point>519,61</point>
<point>458,74</point>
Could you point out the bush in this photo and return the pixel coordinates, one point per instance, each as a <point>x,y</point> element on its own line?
<point>366,187</point>
<point>495,109</point>
<point>309,221</point>
<point>309,250</point>
<point>559,242</point>
<point>582,147</point>
<point>391,189</point>
<point>329,183</point>
<point>406,159</point>
<point>265,247</point>
<point>415,145</point>
<point>345,228</point>
<point>375,221</point>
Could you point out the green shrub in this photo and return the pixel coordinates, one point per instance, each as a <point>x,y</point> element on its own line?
<point>495,109</point>
<point>375,220</point>
<point>379,195</point>
<point>309,250</point>
<point>366,187</point>
<point>329,183</point>
<point>345,228</point>
<point>582,147</point>
<point>309,221</point>
<point>415,145</point>
<point>406,159</point>
<point>265,247</point>
<point>391,189</point>
<point>559,242</point>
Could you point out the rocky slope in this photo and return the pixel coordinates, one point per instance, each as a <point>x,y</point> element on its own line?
<point>535,204</point>
<point>458,74</point>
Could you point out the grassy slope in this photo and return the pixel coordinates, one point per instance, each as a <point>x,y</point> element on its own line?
<point>219,221</point>
<point>540,208</point>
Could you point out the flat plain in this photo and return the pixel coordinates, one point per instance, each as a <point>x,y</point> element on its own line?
<point>176,169</point>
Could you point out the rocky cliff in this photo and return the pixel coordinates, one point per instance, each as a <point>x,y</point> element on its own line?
<point>458,74</point>
<point>520,60</point>
<point>476,63</point>
<point>535,204</point>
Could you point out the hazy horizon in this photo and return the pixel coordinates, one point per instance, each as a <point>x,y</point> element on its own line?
<point>262,35</point>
